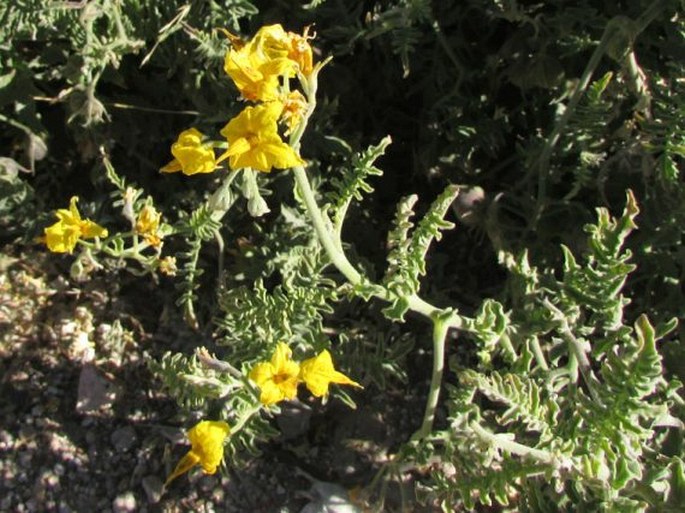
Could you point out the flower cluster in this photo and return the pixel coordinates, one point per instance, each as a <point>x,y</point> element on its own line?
<point>261,70</point>
<point>146,223</point>
<point>278,378</point>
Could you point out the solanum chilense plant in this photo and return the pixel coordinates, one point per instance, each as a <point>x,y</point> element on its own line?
<point>567,404</point>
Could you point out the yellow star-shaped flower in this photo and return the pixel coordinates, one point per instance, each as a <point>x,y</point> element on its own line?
<point>191,155</point>
<point>253,140</point>
<point>278,378</point>
<point>207,448</point>
<point>318,373</point>
<point>62,236</point>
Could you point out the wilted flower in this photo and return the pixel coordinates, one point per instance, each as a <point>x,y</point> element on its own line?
<point>253,140</point>
<point>255,67</point>
<point>256,79</point>
<point>294,107</point>
<point>318,373</point>
<point>62,236</point>
<point>147,225</point>
<point>192,156</point>
<point>300,51</point>
<point>167,266</point>
<point>278,378</point>
<point>276,43</point>
<point>207,448</point>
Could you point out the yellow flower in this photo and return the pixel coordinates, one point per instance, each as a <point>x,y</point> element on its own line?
<point>191,155</point>
<point>207,448</point>
<point>256,78</point>
<point>318,373</point>
<point>147,225</point>
<point>301,52</point>
<point>278,378</point>
<point>253,140</point>
<point>62,236</point>
<point>255,67</point>
<point>276,43</point>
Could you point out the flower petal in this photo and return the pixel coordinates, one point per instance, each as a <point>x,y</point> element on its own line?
<point>89,230</point>
<point>184,465</point>
<point>281,356</point>
<point>191,154</point>
<point>238,146</point>
<point>277,379</point>
<point>261,373</point>
<point>207,438</point>
<point>318,373</point>
<point>172,167</point>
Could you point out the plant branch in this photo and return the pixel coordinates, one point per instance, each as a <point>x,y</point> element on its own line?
<point>504,442</point>
<point>577,351</point>
<point>440,328</point>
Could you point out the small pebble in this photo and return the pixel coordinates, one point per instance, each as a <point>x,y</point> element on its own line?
<point>124,438</point>
<point>25,459</point>
<point>124,503</point>
<point>153,487</point>
<point>64,508</point>
<point>51,480</point>
<point>5,502</point>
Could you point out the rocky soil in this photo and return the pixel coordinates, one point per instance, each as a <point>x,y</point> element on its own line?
<point>84,427</point>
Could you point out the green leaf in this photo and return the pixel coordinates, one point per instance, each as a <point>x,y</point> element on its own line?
<point>407,257</point>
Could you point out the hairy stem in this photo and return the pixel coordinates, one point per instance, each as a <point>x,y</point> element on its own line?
<point>323,229</point>
<point>440,328</point>
<point>329,236</point>
<point>442,319</point>
<point>505,443</point>
<point>539,355</point>
<point>245,417</point>
<point>578,355</point>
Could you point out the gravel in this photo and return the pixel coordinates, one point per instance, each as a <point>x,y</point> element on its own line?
<point>84,427</point>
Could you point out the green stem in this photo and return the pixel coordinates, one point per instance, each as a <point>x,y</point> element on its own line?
<point>190,273</point>
<point>505,443</point>
<point>539,355</point>
<point>329,237</point>
<point>578,356</point>
<point>440,328</point>
<point>220,248</point>
<point>560,126</point>
<point>442,319</point>
<point>323,228</point>
<point>325,232</point>
<point>16,124</point>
